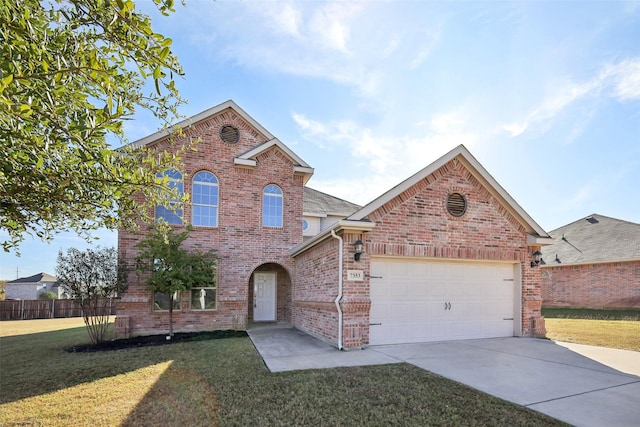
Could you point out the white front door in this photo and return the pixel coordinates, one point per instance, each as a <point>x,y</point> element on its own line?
<point>264,297</point>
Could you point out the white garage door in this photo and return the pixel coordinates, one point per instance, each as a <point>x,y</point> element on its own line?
<point>419,301</point>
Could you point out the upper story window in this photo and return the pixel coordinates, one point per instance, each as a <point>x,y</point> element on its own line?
<point>172,214</point>
<point>272,206</point>
<point>205,199</point>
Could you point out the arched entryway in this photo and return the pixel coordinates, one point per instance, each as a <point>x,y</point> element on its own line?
<point>270,294</point>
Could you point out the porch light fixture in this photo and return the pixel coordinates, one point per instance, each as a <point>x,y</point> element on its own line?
<point>358,246</point>
<point>536,259</point>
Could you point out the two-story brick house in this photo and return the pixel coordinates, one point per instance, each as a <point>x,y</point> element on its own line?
<point>447,254</point>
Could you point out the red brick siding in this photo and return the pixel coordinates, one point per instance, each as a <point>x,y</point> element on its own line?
<point>315,290</point>
<point>607,285</point>
<point>241,242</point>
<point>415,224</point>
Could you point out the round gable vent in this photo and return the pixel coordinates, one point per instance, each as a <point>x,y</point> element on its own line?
<point>229,134</point>
<point>456,204</point>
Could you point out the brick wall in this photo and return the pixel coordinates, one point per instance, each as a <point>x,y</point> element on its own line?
<point>414,224</point>
<point>315,291</point>
<point>606,285</point>
<point>242,244</point>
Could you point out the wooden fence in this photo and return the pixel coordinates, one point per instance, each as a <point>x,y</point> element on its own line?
<point>45,309</point>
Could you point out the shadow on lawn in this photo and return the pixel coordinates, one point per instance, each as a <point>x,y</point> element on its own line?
<point>40,363</point>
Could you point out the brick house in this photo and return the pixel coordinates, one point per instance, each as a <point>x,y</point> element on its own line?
<point>593,263</point>
<point>446,254</point>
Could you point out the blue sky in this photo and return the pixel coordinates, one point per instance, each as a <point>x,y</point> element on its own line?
<point>545,94</point>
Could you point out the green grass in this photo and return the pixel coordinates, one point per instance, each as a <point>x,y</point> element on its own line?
<point>221,382</point>
<point>589,313</point>
<point>620,334</point>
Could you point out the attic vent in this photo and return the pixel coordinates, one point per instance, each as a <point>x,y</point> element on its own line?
<point>456,204</point>
<point>229,134</point>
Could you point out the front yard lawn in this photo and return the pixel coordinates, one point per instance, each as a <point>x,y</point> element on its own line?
<point>604,328</point>
<point>222,382</point>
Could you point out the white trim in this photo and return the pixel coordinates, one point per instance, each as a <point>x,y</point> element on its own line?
<point>198,118</point>
<point>346,225</point>
<point>539,240</point>
<point>475,168</point>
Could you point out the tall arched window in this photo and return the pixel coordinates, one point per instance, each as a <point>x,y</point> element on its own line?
<point>272,206</point>
<point>172,212</point>
<point>205,199</point>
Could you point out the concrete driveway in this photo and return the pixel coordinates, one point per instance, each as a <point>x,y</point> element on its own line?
<point>582,385</point>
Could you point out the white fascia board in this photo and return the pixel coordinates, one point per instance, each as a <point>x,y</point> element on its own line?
<point>244,162</point>
<point>474,166</point>
<point>198,118</point>
<point>302,169</point>
<point>533,240</point>
<point>314,214</point>
<point>342,225</point>
<point>276,142</point>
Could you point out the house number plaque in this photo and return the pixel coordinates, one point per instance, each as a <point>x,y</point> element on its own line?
<point>355,275</point>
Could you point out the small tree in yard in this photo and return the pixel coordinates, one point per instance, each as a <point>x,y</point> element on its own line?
<point>92,277</point>
<point>168,268</point>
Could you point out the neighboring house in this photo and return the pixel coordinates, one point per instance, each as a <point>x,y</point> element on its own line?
<point>593,263</point>
<point>446,254</point>
<point>28,288</point>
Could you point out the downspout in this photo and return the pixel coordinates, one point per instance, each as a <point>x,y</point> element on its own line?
<point>339,297</point>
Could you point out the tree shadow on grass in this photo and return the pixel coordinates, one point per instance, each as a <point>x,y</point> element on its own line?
<point>46,362</point>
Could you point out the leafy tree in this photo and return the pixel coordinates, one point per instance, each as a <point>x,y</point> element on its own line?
<point>92,277</point>
<point>71,72</point>
<point>3,295</point>
<point>48,295</point>
<point>168,268</point>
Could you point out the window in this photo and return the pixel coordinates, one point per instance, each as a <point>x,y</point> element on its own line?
<point>272,206</point>
<point>204,297</point>
<point>205,200</point>
<point>161,301</point>
<point>305,225</point>
<point>171,214</point>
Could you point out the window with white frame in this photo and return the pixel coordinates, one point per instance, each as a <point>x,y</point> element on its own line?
<point>204,297</point>
<point>272,206</point>
<point>171,214</point>
<point>205,200</point>
<point>162,301</point>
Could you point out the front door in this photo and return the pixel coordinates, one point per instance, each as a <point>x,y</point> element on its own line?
<point>264,297</point>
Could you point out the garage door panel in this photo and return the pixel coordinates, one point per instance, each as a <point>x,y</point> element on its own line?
<point>414,301</point>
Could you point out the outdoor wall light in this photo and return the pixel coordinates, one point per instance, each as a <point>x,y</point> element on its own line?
<point>536,258</point>
<point>358,246</point>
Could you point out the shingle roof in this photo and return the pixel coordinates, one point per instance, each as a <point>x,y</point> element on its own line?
<point>319,203</point>
<point>595,238</point>
<point>40,277</point>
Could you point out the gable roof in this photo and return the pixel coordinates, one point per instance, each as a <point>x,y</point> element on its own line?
<point>538,235</point>
<point>248,158</point>
<point>36,278</point>
<point>317,203</point>
<point>204,115</point>
<point>593,239</point>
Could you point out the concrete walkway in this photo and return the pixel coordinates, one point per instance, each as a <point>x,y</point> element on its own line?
<point>582,385</point>
<point>284,348</point>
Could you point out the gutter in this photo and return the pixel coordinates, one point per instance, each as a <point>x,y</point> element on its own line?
<point>339,297</point>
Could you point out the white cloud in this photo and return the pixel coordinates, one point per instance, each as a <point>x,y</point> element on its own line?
<point>625,78</point>
<point>620,81</point>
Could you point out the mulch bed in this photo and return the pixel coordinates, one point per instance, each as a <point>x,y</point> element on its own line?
<point>154,340</point>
